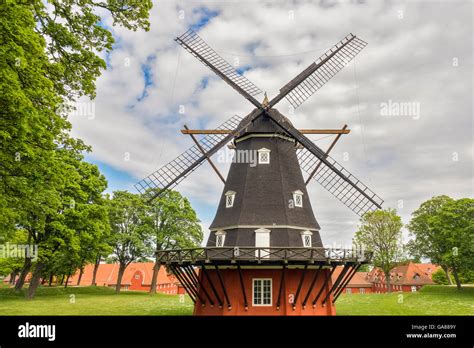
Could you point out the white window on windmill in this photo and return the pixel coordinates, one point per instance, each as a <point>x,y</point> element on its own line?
<point>263,156</point>
<point>306,236</point>
<point>220,239</point>
<point>298,198</point>
<point>262,292</point>
<point>229,199</point>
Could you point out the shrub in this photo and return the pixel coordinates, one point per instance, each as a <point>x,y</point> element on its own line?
<point>439,277</point>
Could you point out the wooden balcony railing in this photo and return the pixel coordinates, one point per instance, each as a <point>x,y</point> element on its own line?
<point>262,255</point>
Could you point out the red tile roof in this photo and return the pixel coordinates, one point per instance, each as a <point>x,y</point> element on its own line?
<point>107,274</point>
<point>409,274</point>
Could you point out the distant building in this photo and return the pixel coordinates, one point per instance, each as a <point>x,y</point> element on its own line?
<point>137,276</point>
<point>359,284</point>
<point>408,278</point>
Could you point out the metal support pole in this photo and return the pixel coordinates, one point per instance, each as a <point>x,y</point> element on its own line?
<point>344,285</point>
<point>212,286</point>
<point>246,306</point>
<point>190,282</point>
<point>186,286</point>
<point>194,285</point>
<point>348,276</point>
<point>198,283</point>
<point>229,305</point>
<point>315,278</point>
<point>299,286</point>
<point>324,285</point>
<point>336,283</point>
<point>282,281</point>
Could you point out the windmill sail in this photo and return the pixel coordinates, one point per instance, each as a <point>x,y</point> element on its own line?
<point>333,176</point>
<point>321,71</point>
<point>343,189</point>
<point>175,171</point>
<point>193,43</point>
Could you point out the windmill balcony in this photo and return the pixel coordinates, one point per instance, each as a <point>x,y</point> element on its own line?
<point>263,255</point>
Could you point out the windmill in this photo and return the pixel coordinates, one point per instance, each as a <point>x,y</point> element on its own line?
<point>264,254</point>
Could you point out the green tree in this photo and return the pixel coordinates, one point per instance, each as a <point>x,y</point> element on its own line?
<point>48,57</point>
<point>90,218</point>
<point>76,34</point>
<point>30,127</point>
<point>454,227</point>
<point>466,276</point>
<point>12,265</point>
<point>380,233</point>
<point>131,230</point>
<point>364,268</point>
<point>175,225</point>
<point>426,243</point>
<point>443,232</point>
<point>439,277</point>
<point>75,218</point>
<point>104,248</point>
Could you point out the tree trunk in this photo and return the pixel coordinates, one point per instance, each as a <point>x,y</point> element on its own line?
<point>50,279</point>
<point>96,268</point>
<point>12,278</point>
<point>121,271</point>
<point>387,281</point>
<point>67,280</point>
<point>156,270</point>
<point>24,272</point>
<point>456,278</point>
<point>35,281</point>
<point>43,280</point>
<point>446,270</point>
<point>80,276</point>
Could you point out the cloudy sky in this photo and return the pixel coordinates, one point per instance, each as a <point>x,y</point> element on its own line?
<point>419,54</point>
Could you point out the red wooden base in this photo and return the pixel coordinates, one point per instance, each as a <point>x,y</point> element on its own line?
<point>232,284</point>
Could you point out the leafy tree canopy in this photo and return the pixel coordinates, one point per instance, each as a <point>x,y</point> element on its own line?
<point>443,231</point>
<point>380,233</point>
<point>175,223</point>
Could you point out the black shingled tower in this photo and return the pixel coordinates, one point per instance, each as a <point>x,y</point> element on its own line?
<point>264,192</point>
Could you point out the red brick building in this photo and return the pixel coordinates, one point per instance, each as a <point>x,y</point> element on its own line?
<point>408,278</point>
<point>137,276</point>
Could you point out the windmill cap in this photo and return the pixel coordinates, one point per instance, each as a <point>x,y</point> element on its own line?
<point>263,124</point>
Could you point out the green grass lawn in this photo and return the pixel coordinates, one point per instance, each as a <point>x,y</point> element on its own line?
<point>431,300</point>
<point>92,301</point>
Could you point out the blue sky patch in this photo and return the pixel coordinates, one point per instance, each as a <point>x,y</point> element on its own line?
<point>117,179</point>
<point>206,15</point>
<point>147,76</point>
<point>204,82</point>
